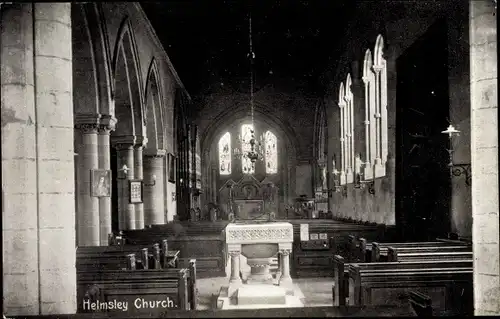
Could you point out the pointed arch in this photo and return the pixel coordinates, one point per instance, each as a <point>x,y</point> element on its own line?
<point>225,154</point>
<point>271,152</point>
<point>155,125</point>
<point>86,92</point>
<point>378,53</point>
<point>349,129</point>
<point>343,143</point>
<point>380,70</point>
<point>127,91</point>
<point>246,134</point>
<point>102,61</point>
<point>369,84</point>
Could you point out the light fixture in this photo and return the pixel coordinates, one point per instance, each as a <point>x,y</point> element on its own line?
<point>256,151</point>
<point>337,188</point>
<point>125,170</point>
<point>153,178</point>
<point>360,182</point>
<point>456,169</point>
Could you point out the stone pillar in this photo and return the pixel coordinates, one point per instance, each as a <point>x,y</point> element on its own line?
<point>139,174</point>
<point>38,223</point>
<point>235,267</point>
<point>484,152</point>
<point>56,185</point>
<point>285,266</point>
<point>21,283</point>
<point>88,205</point>
<point>126,210</point>
<point>107,124</point>
<point>154,207</point>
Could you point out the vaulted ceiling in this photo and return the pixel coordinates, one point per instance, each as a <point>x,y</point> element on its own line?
<point>208,41</point>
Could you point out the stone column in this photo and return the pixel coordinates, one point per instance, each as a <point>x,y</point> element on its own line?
<point>126,210</point>
<point>285,266</point>
<point>55,135</point>
<point>484,155</point>
<point>235,267</point>
<point>107,124</point>
<point>139,174</point>
<point>88,205</point>
<point>21,284</point>
<point>154,206</point>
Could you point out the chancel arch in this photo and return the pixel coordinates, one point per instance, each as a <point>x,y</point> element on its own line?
<point>285,152</point>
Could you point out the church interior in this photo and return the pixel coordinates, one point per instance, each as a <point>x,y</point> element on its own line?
<point>250,158</point>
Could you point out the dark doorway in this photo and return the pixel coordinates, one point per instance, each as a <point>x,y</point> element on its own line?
<point>423,187</point>
<point>114,190</point>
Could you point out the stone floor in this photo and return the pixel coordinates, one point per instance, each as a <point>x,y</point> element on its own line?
<point>317,291</point>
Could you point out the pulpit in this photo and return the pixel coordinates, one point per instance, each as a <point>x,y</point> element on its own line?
<point>258,242</point>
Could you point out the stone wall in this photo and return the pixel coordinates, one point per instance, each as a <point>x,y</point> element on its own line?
<point>400,25</point>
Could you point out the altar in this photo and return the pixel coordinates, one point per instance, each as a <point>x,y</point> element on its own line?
<point>257,243</point>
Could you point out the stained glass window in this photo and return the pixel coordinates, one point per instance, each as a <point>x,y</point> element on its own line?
<point>225,154</point>
<point>271,153</point>
<point>246,135</point>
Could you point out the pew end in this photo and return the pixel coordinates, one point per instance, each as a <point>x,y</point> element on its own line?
<point>420,303</point>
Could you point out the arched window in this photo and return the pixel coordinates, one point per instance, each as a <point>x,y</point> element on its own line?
<point>369,82</point>
<point>380,70</point>
<point>225,154</point>
<point>246,135</point>
<point>343,164</point>
<point>271,147</point>
<point>349,129</point>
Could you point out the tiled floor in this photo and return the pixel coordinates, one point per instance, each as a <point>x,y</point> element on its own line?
<point>317,291</point>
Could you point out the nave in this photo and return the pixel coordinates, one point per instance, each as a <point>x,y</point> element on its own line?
<point>185,159</point>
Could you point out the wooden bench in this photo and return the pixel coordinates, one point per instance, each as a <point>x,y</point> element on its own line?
<point>422,306</point>
<point>341,272</point>
<point>160,289</point>
<point>379,251</point>
<point>449,282</point>
<point>207,249</point>
<point>114,257</point>
<point>428,253</point>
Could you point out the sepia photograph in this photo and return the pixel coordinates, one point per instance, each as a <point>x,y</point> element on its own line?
<point>250,159</point>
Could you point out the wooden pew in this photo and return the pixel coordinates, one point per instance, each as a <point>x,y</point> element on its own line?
<point>172,287</point>
<point>379,251</point>
<point>114,257</point>
<point>341,272</point>
<point>428,253</point>
<point>421,304</point>
<point>389,283</point>
<point>207,249</point>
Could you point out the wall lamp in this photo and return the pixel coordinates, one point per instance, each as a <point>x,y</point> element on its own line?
<point>125,170</point>
<point>153,178</point>
<point>457,169</point>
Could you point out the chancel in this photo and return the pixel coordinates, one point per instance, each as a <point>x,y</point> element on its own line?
<point>250,158</point>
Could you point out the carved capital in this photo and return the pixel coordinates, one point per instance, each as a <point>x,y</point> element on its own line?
<point>156,154</point>
<point>234,253</point>
<point>377,68</point>
<point>285,252</point>
<point>107,123</point>
<point>141,141</point>
<point>87,128</point>
<point>123,146</point>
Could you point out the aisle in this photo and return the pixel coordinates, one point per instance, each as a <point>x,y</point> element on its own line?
<point>317,291</point>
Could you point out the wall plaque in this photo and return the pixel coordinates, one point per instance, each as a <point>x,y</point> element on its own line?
<point>100,183</point>
<point>135,189</point>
